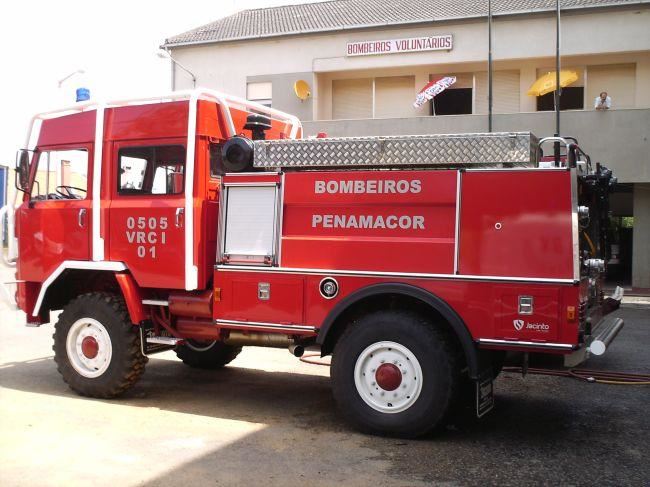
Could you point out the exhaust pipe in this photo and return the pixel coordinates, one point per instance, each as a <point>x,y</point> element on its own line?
<point>269,340</point>
<point>296,350</point>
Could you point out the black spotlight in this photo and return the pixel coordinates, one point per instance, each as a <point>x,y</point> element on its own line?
<point>258,124</point>
<point>237,154</point>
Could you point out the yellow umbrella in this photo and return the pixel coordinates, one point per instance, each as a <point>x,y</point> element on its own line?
<point>546,84</point>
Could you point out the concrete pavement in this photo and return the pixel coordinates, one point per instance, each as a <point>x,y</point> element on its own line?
<point>270,419</point>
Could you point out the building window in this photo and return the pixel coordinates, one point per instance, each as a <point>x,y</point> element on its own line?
<point>505,92</point>
<point>456,100</point>
<point>151,170</point>
<point>261,93</point>
<point>618,80</point>
<point>352,98</point>
<point>452,101</point>
<point>573,98</point>
<point>394,96</point>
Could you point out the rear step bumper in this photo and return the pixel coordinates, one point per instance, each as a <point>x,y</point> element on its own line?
<point>604,333</point>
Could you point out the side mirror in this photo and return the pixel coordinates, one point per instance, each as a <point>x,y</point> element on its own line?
<point>22,170</point>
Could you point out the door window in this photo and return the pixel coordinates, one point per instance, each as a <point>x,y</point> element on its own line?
<point>61,175</point>
<point>151,170</point>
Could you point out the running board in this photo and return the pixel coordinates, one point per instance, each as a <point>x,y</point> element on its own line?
<point>150,344</point>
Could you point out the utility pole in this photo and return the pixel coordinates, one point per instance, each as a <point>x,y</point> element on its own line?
<point>489,65</point>
<point>558,88</point>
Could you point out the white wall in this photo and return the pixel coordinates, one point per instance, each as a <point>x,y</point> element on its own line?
<point>517,40</point>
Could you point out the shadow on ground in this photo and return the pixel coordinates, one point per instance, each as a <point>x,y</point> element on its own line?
<point>544,429</point>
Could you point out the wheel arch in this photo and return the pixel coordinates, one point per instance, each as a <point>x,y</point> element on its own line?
<point>375,297</point>
<point>72,278</point>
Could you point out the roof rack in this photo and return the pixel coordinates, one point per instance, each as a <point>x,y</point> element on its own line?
<point>502,149</point>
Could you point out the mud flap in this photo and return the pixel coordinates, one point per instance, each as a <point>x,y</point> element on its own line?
<point>484,394</point>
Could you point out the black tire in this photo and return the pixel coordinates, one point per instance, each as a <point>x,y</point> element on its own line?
<point>126,363</point>
<point>212,355</point>
<point>438,358</point>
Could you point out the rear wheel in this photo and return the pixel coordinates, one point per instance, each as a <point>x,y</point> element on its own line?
<point>395,373</point>
<point>96,347</point>
<point>206,355</point>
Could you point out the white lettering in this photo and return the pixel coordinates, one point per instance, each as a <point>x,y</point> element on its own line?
<point>404,222</point>
<point>345,186</point>
<point>365,221</point>
<point>152,237</point>
<point>130,222</point>
<point>370,186</point>
<point>403,186</point>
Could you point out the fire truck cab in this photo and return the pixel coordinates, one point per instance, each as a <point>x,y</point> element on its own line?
<point>202,223</point>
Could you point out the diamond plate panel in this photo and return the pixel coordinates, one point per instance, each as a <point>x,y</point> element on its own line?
<point>473,150</point>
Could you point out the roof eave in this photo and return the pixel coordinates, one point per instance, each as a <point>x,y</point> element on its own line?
<point>167,45</point>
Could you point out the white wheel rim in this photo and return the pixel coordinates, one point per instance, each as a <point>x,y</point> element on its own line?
<point>89,329</point>
<point>396,356</point>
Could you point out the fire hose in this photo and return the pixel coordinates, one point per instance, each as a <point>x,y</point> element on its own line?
<point>589,375</point>
<point>585,375</point>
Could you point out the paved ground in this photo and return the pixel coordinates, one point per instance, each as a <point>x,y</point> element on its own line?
<point>270,420</point>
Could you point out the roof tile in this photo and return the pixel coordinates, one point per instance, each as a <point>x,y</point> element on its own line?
<point>346,14</point>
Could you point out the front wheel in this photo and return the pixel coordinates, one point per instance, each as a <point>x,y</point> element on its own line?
<point>96,347</point>
<point>395,373</point>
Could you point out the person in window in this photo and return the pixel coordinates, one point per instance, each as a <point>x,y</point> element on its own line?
<point>603,102</point>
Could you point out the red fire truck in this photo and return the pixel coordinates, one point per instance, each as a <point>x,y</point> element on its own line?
<point>203,223</point>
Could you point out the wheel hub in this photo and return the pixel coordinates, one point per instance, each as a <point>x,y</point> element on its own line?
<point>89,347</point>
<point>388,377</point>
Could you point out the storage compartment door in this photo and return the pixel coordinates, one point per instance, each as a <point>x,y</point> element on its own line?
<point>250,226</point>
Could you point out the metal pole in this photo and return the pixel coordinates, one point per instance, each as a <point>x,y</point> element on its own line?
<point>558,89</point>
<point>489,65</point>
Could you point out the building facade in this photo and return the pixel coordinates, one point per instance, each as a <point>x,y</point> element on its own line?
<point>365,60</point>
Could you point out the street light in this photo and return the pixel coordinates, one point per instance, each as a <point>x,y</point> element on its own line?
<point>78,71</point>
<point>163,54</point>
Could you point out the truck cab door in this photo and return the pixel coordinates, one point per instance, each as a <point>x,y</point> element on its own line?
<point>53,224</point>
<point>147,211</point>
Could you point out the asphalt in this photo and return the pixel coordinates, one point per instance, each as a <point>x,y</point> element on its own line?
<point>270,419</point>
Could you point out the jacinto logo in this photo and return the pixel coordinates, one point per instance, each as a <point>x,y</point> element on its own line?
<point>519,324</point>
